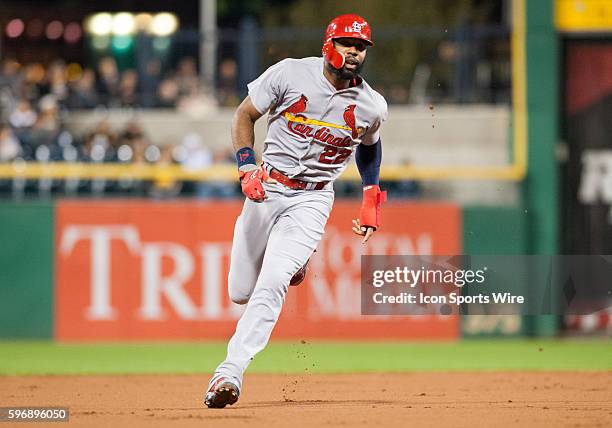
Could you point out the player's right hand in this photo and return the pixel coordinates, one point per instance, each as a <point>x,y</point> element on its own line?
<point>251,179</point>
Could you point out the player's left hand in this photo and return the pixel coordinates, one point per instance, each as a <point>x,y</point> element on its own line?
<point>369,214</point>
<point>365,231</point>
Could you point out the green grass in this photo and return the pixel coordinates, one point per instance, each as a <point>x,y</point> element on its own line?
<point>318,357</point>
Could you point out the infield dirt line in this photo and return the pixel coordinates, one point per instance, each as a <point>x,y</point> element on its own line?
<point>425,399</point>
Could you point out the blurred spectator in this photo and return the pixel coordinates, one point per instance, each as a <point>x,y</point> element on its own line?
<point>83,93</point>
<point>30,86</point>
<point>23,116</point>
<point>57,82</point>
<point>149,83</point>
<point>227,87</point>
<point>48,119</point>
<point>128,88</point>
<point>9,144</point>
<point>95,148</point>
<point>197,102</point>
<point>197,155</point>
<point>108,82</point>
<point>187,75</point>
<point>139,147</point>
<point>225,155</point>
<point>164,185</point>
<point>434,79</point>
<point>78,88</point>
<point>132,130</point>
<point>168,93</point>
<point>48,125</point>
<point>194,98</point>
<point>9,73</point>
<point>104,135</point>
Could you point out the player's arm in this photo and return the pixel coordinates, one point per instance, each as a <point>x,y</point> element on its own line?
<point>243,125</point>
<point>368,159</point>
<point>243,140</point>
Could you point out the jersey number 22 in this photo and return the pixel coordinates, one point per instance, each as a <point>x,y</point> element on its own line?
<point>334,155</point>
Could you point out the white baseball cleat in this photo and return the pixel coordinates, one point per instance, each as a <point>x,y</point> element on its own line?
<point>221,392</point>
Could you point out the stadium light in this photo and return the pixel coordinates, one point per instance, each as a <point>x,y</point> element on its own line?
<point>161,43</point>
<point>15,28</point>
<point>101,42</point>
<point>100,24</point>
<point>122,43</point>
<point>73,32</point>
<point>164,24</point>
<point>54,31</point>
<point>123,24</point>
<point>143,21</point>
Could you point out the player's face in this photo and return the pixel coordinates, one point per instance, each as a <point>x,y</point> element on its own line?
<point>354,51</point>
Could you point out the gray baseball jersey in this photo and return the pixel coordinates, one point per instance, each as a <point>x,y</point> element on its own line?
<point>313,128</point>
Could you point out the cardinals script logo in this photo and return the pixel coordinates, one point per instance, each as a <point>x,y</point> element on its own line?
<point>337,148</point>
<point>298,123</point>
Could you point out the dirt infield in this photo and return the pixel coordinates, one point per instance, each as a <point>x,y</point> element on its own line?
<point>423,399</point>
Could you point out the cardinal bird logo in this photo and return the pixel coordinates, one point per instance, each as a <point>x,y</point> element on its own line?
<point>349,119</point>
<point>297,107</point>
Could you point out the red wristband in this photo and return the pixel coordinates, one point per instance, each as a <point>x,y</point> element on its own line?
<point>373,198</point>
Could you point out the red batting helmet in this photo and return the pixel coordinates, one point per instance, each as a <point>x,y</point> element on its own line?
<point>348,25</point>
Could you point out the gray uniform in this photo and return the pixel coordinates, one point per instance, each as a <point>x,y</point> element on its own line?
<point>313,130</point>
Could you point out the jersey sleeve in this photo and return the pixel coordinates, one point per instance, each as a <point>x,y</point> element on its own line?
<point>373,134</point>
<point>268,89</point>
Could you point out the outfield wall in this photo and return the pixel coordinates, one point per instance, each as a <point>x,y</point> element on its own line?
<point>131,270</point>
<point>26,270</point>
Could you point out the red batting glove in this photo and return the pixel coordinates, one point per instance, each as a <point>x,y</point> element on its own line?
<point>369,215</point>
<point>251,183</point>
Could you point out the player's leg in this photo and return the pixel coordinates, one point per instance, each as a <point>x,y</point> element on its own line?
<point>251,234</point>
<point>293,239</point>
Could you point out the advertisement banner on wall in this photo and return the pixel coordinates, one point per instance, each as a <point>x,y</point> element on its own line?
<point>587,202</point>
<point>145,270</point>
<point>587,173</point>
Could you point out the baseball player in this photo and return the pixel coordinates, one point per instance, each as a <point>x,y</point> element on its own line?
<point>320,111</point>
